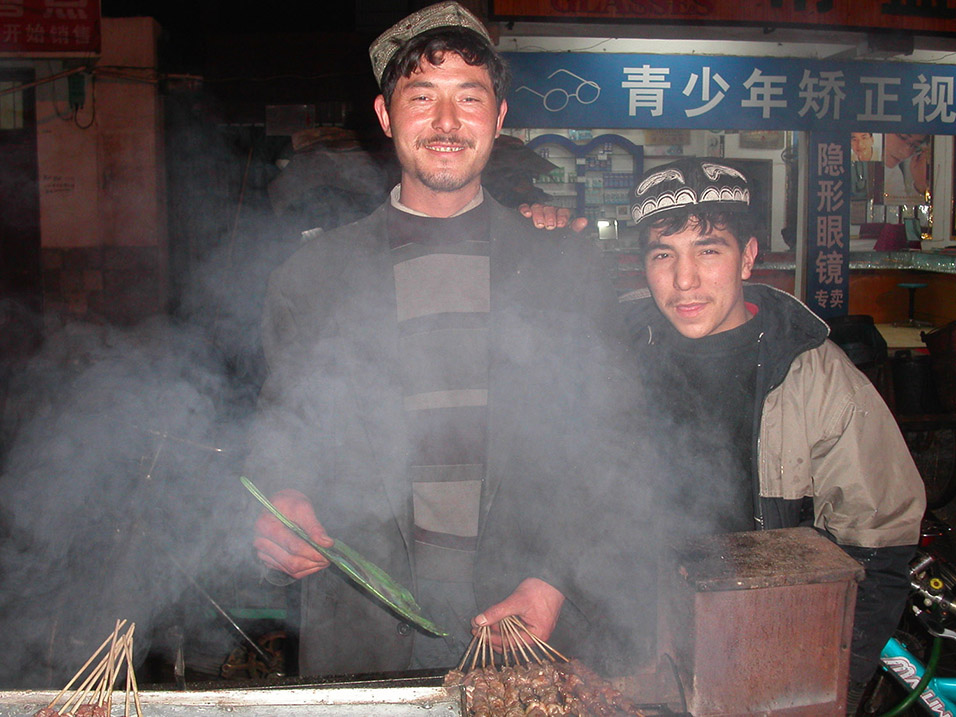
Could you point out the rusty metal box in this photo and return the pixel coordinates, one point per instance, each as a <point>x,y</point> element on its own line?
<point>759,623</point>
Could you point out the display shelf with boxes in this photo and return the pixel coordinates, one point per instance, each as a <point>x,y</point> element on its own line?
<point>594,177</point>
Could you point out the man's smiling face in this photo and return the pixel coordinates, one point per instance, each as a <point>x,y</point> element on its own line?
<point>443,119</point>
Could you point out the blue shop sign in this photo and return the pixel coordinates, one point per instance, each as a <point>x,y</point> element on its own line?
<point>828,225</point>
<point>565,89</point>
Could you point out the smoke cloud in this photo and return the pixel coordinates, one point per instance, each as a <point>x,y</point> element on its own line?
<point>116,474</point>
<point>122,445</point>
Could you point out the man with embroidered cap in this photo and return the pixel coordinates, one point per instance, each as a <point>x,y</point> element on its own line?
<point>767,423</point>
<point>435,370</point>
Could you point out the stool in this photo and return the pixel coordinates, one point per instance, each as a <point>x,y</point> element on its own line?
<point>911,319</point>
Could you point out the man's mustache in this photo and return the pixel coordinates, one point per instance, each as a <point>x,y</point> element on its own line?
<point>686,300</point>
<point>446,139</point>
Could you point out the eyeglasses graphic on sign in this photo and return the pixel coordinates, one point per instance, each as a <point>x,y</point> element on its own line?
<point>557,98</point>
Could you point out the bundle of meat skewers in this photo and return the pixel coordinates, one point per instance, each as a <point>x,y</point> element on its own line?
<point>532,679</point>
<point>94,695</point>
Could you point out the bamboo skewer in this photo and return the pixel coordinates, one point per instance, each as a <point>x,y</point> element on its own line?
<point>471,645</point>
<point>124,659</point>
<point>82,669</point>
<point>84,688</point>
<point>478,648</point>
<point>126,701</point>
<point>101,686</point>
<point>131,678</point>
<point>107,687</point>
<point>522,645</point>
<point>545,647</point>
<point>96,684</point>
<point>515,643</point>
<point>508,655</point>
<point>117,663</point>
<point>518,646</point>
<point>464,658</point>
<point>508,644</point>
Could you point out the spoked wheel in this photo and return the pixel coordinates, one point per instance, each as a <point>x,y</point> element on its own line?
<point>934,452</point>
<point>245,663</point>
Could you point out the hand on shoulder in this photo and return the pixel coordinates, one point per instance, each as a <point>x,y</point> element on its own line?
<point>547,216</point>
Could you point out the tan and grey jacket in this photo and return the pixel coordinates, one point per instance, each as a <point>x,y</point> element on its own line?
<point>827,451</point>
<point>826,434</point>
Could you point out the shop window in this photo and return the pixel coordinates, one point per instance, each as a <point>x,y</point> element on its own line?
<point>892,188</point>
<point>595,171</point>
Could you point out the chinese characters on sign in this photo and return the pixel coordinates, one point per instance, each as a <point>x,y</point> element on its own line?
<point>40,26</point>
<point>828,224</point>
<point>829,100</point>
<point>722,92</point>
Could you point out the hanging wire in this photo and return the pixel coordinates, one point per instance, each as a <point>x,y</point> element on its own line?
<point>76,118</point>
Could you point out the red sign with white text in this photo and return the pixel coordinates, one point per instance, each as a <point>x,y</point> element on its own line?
<point>37,27</point>
<point>931,16</point>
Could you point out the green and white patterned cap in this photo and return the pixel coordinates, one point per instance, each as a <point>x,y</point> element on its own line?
<point>443,14</point>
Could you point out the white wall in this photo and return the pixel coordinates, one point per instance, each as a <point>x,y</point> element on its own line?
<point>101,169</point>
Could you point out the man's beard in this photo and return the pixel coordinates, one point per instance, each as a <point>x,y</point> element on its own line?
<point>445,180</point>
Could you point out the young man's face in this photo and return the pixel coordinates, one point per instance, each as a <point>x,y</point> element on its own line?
<point>862,145</point>
<point>444,120</point>
<point>697,278</point>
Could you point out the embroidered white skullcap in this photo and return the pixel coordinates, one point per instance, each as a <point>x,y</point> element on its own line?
<point>693,183</point>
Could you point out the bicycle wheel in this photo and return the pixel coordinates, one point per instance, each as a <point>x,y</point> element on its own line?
<point>934,452</point>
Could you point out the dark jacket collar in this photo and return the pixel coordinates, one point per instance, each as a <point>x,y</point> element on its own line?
<point>790,328</point>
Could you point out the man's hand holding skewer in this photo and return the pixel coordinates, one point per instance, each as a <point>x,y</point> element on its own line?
<point>279,548</point>
<point>537,603</point>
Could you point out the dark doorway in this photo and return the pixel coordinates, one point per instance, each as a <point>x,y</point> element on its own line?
<point>21,292</point>
<point>19,199</point>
